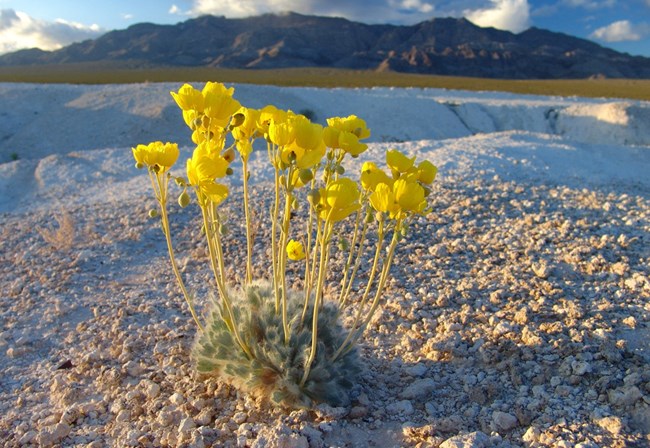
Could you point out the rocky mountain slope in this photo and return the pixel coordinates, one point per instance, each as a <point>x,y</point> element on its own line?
<point>442,46</point>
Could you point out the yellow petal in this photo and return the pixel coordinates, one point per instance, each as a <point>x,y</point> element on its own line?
<point>398,161</point>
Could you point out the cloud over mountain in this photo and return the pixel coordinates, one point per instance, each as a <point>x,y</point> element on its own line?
<point>19,30</point>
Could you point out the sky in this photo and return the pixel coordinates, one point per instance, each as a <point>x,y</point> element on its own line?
<point>623,25</point>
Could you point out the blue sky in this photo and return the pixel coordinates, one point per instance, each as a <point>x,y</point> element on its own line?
<point>623,25</point>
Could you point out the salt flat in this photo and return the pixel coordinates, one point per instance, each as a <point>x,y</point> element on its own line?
<point>518,313</point>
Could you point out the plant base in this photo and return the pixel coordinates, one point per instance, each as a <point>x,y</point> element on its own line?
<point>276,369</point>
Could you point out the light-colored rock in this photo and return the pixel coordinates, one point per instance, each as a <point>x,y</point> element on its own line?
<point>419,389</point>
<point>504,421</point>
<point>476,439</point>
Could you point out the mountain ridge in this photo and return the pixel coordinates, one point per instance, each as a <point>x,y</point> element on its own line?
<point>440,46</point>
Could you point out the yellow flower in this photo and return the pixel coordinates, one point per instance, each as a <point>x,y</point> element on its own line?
<point>188,98</point>
<point>281,133</point>
<point>245,148</point>
<point>216,192</point>
<point>371,176</point>
<point>331,137</point>
<point>352,124</point>
<point>219,104</point>
<point>349,143</point>
<point>383,199</point>
<point>345,133</point>
<point>398,162</point>
<point>157,155</point>
<point>409,196</point>
<point>247,129</point>
<point>427,172</point>
<point>206,164</point>
<point>339,199</point>
<point>295,250</point>
<point>269,114</point>
<point>308,135</point>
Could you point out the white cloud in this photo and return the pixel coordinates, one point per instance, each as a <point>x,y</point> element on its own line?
<point>18,30</point>
<point>245,8</point>
<point>591,4</point>
<point>174,10</point>
<point>621,31</point>
<point>413,5</point>
<point>511,15</point>
<point>127,16</point>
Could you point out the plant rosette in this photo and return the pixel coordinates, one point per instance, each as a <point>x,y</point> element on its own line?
<point>282,345</point>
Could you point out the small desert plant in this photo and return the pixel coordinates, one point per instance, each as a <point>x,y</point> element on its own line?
<point>60,238</point>
<point>260,336</point>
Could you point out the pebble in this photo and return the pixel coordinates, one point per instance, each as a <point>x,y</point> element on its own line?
<point>403,407</point>
<point>504,421</point>
<point>419,389</point>
<point>476,439</point>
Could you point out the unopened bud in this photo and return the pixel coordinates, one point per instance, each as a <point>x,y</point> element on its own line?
<point>369,217</point>
<point>223,229</point>
<point>180,181</point>
<point>427,190</point>
<point>237,120</point>
<point>229,171</point>
<point>305,175</point>
<point>295,204</point>
<point>184,199</point>
<point>153,213</point>
<point>339,170</point>
<point>229,155</point>
<point>379,216</point>
<point>139,165</point>
<point>205,121</point>
<point>343,244</point>
<point>313,197</point>
<point>196,123</point>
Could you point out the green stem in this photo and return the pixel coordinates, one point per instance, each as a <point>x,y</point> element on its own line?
<point>322,268</point>
<point>283,259</point>
<point>249,232</point>
<point>375,302</point>
<point>162,199</point>
<point>216,253</point>
<point>364,299</point>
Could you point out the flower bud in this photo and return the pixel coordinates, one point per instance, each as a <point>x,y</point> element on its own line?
<point>139,165</point>
<point>205,121</point>
<point>229,171</point>
<point>229,155</point>
<point>313,197</point>
<point>305,175</point>
<point>196,123</point>
<point>339,170</point>
<point>295,204</point>
<point>153,213</point>
<point>237,120</point>
<point>343,244</point>
<point>379,216</point>
<point>180,181</point>
<point>223,229</point>
<point>184,199</point>
<point>369,217</point>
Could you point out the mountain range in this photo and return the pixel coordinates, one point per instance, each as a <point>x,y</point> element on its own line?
<point>440,46</point>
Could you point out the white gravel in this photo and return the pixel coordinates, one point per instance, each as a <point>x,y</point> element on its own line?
<point>517,315</point>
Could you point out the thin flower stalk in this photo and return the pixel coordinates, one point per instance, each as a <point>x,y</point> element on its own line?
<point>355,335</point>
<point>249,230</point>
<point>161,194</point>
<point>324,254</point>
